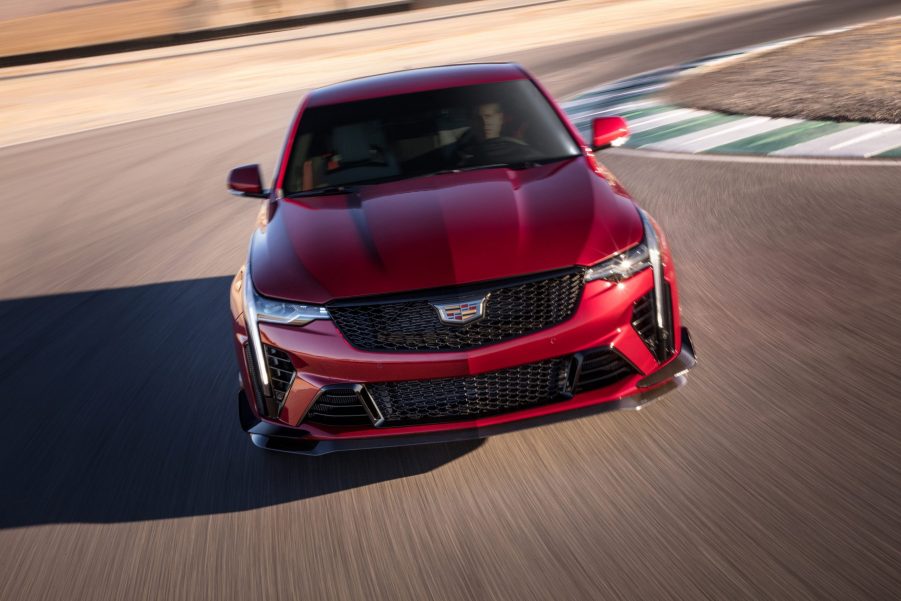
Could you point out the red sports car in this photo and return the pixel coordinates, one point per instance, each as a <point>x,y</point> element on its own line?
<point>440,256</point>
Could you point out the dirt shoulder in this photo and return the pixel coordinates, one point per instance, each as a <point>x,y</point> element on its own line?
<point>849,76</point>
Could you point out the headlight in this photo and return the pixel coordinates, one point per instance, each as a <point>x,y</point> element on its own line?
<point>282,312</point>
<point>622,266</point>
<point>258,308</point>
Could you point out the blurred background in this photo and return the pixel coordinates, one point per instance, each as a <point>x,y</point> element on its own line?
<point>42,25</point>
<point>774,474</point>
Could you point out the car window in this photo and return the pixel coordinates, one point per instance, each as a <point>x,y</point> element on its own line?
<point>416,134</point>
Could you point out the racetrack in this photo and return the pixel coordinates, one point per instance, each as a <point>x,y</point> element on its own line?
<point>773,474</point>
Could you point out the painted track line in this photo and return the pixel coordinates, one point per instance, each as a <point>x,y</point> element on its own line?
<point>882,141</point>
<point>626,93</point>
<point>581,118</point>
<point>631,82</point>
<point>721,134</point>
<point>863,140</point>
<point>667,118</point>
<point>737,158</point>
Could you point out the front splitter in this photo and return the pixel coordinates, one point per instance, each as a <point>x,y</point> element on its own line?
<point>266,435</point>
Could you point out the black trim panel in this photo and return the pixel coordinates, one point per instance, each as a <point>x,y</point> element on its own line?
<point>685,360</point>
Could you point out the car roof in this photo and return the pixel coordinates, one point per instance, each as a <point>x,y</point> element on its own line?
<point>415,80</point>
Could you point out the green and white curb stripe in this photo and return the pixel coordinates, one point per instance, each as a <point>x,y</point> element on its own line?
<point>667,128</point>
<point>871,139</point>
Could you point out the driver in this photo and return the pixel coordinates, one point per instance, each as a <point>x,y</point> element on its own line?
<point>492,117</point>
<point>500,135</point>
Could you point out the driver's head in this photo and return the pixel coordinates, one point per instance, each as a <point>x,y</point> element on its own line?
<point>492,118</point>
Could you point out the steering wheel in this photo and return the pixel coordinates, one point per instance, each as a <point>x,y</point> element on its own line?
<point>502,150</point>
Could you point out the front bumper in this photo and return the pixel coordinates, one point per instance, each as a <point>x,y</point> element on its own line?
<point>267,435</point>
<point>322,358</point>
<point>309,441</point>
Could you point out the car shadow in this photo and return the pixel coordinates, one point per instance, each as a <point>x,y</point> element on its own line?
<point>119,405</point>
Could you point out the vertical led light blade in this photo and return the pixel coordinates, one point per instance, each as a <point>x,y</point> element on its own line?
<point>650,236</point>
<point>253,331</point>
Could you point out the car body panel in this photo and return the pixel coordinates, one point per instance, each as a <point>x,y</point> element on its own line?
<point>441,230</point>
<point>322,356</point>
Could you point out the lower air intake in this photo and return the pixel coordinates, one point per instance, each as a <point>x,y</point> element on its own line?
<point>339,406</point>
<point>644,319</point>
<point>468,397</point>
<point>599,368</point>
<point>281,372</point>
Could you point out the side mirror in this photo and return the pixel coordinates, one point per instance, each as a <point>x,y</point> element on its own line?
<point>246,181</point>
<point>608,131</point>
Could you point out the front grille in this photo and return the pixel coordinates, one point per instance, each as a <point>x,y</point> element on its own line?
<point>515,388</point>
<point>412,401</point>
<point>339,406</point>
<point>511,310</point>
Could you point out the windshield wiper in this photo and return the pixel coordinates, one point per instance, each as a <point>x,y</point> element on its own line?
<point>521,165</point>
<point>355,187</point>
<point>528,164</point>
<point>514,165</point>
<point>324,191</point>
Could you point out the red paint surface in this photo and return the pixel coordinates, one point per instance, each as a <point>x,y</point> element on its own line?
<point>606,130</point>
<point>440,231</point>
<point>245,179</point>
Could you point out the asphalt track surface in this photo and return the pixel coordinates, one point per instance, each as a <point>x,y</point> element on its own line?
<point>774,474</point>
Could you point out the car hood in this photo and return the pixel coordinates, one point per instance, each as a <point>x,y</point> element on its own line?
<point>440,231</point>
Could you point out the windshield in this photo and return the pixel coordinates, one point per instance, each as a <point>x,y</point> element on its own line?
<point>410,135</point>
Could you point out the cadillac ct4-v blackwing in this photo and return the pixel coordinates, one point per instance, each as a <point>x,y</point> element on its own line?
<point>441,256</point>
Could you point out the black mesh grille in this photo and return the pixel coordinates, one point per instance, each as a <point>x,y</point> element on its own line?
<point>412,325</point>
<point>338,407</point>
<point>281,372</point>
<point>441,399</point>
<point>418,401</point>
